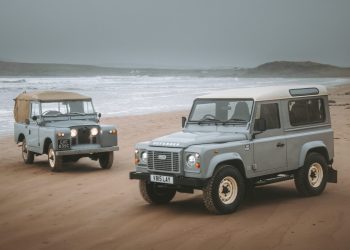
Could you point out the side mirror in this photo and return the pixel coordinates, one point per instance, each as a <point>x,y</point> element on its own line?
<point>183,121</point>
<point>34,118</point>
<point>99,115</point>
<point>27,121</point>
<point>260,125</point>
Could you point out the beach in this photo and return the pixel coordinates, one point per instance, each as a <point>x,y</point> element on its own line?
<point>86,207</point>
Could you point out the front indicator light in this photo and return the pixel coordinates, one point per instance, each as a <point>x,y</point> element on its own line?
<point>113,131</point>
<point>60,134</point>
<point>137,159</point>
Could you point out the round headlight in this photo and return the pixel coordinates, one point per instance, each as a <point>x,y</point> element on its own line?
<point>73,132</point>
<point>94,131</point>
<point>144,157</point>
<point>191,161</point>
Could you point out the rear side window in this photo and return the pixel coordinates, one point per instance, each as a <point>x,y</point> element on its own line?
<point>306,111</point>
<point>35,110</point>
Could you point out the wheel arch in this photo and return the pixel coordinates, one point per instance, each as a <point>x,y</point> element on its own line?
<point>232,159</point>
<point>315,146</point>
<point>46,144</point>
<point>20,138</point>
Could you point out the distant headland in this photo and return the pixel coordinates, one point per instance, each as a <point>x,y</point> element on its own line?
<point>270,69</point>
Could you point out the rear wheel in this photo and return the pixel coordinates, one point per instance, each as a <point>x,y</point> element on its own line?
<point>154,194</point>
<point>106,160</point>
<point>311,179</point>
<point>224,191</point>
<point>55,161</point>
<point>28,156</point>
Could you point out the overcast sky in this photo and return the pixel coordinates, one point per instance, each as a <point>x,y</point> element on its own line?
<point>175,33</point>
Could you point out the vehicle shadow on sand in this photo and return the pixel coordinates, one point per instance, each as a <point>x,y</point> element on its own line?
<point>259,196</point>
<point>266,195</point>
<point>69,167</point>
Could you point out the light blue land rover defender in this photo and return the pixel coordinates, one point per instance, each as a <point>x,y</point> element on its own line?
<point>236,139</point>
<point>63,125</point>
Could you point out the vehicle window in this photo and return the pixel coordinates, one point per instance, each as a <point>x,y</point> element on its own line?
<point>35,109</point>
<point>53,108</point>
<point>271,115</point>
<point>83,107</point>
<point>221,110</point>
<point>306,111</point>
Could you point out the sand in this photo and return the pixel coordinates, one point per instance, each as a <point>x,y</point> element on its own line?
<point>88,208</point>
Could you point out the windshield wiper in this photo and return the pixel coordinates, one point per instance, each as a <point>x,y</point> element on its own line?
<point>76,113</point>
<point>208,119</point>
<point>235,120</point>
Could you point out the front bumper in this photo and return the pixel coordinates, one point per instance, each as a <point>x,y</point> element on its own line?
<point>178,180</point>
<point>86,150</point>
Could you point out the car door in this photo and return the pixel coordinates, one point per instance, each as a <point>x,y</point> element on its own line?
<point>270,145</point>
<point>33,128</point>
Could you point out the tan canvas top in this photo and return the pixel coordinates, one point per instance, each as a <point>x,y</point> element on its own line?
<point>22,101</point>
<point>51,96</point>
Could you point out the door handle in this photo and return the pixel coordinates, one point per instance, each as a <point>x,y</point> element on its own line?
<point>280,145</point>
<point>29,131</point>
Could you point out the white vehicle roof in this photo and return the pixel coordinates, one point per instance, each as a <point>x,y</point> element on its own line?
<point>268,92</point>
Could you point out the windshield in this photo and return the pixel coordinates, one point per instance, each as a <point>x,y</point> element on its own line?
<point>67,108</point>
<point>221,110</point>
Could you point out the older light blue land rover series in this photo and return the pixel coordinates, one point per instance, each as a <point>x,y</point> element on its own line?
<point>63,125</point>
<point>237,139</point>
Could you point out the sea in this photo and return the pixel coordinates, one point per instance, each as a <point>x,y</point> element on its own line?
<point>136,95</point>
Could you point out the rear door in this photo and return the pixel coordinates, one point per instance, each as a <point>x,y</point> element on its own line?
<point>270,145</point>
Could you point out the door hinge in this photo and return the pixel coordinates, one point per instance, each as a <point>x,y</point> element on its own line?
<point>254,166</point>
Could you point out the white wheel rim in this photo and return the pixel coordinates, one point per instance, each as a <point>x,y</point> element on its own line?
<point>52,158</point>
<point>315,175</point>
<point>228,190</point>
<point>24,151</point>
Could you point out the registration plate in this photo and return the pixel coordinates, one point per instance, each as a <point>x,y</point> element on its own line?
<point>162,179</point>
<point>63,144</point>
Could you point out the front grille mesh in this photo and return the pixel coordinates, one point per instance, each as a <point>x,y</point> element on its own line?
<point>164,161</point>
<point>84,135</point>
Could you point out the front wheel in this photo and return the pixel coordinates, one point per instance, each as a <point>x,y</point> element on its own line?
<point>311,179</point>
<point>225,190</point>
<point>27,155</point>
<point>106,160</point>
<point>55,161</point>
<point>154,194</point>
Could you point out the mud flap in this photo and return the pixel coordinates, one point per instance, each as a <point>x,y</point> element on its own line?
<point>332,175</point>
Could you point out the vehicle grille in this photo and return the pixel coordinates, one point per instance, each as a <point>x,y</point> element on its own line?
<point>164,161</point>
<point>84,135</point>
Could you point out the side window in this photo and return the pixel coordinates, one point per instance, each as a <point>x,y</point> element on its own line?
<point>306,111</point>
<point>35,111</point>
<point>271,115</point>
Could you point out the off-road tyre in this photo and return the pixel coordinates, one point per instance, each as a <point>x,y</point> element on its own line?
<point>55,162</point>
<point>106,160</point>
<point>27,156</point>
<point>153,194</point>
<point>230,181</point>
<point>311,179</point>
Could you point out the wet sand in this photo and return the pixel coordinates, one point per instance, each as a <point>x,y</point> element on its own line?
<point>85,207</point>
